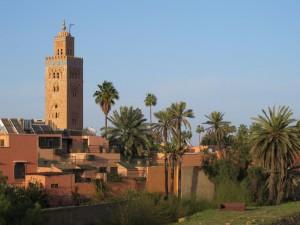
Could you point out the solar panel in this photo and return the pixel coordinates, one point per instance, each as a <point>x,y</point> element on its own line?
<point>36,129</point>
<point>45,128</point>
<point>8,126</point>
<point>17,125</point>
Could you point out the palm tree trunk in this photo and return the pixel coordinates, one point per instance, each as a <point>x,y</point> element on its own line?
<point>179,177</point>
<point>105,126</point>
<point>179,159</point>
<point>281,183</point>
<point>172,174</point>
<point>272,178</point>
<point>166,177</point>
<point>166,165</point>
<point>150,118</point>
<point>199,139</point>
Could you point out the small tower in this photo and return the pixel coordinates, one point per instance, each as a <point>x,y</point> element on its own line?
<point>64,84</point>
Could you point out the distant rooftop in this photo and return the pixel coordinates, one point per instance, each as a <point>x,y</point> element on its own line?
<point>34,126</point>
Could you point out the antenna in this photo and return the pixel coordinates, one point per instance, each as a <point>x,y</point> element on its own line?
<point>70,25</point>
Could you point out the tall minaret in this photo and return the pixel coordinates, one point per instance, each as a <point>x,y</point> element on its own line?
<point>64,84</point>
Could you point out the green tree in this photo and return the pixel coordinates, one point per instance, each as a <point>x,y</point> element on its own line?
<point>186,137</point>
<point>129,130</point>
<point>275,143</point>
<point>150,101</point>
<point>164,128</point>
<point>22,205</point>
<point>199,130</point>
<point>240,147</point>
<point>105,96</point>
<point>218,128</point>
<point>179,113</point>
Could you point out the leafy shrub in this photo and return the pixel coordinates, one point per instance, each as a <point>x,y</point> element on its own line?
<point>231,191</point>
<point>20,205</point>
<point>145,209</point>
<point>151,208</point>
<point>78,199</point>
<point>114,177</point>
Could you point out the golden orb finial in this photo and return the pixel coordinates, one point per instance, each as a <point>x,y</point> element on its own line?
<point>64,26</point>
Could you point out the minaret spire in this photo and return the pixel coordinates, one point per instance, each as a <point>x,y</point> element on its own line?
<point>64,26</point>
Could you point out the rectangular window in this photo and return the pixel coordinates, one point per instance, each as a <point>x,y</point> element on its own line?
<point>19,170</point>
<point>54,185</point>
<point>49,142</point>
<point>85,144</point>
<point>1,142</point>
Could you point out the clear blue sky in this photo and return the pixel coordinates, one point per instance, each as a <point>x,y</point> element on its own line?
<point>237,57</point>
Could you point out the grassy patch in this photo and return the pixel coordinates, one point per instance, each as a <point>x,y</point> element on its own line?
<point>253,215</point>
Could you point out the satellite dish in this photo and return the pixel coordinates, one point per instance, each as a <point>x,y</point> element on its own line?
<point>91,130</point>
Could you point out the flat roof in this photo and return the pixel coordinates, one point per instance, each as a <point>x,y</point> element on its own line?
<point>48,173</point>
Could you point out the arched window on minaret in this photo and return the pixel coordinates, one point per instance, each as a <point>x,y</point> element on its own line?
<point>55,88</point>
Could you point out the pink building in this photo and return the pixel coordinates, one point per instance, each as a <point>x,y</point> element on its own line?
<point>18,156</point>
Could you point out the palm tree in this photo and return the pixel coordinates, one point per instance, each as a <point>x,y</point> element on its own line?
<point>129,130</point>
<point>179,113</point>
<point>218,127</point>
<point>276,144</point>
<point>105,96</point>
<point>199,130</point>
<point>165,129</point>
<point>150,101</point>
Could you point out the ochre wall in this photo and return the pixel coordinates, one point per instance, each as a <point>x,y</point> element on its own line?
<point>156,179</point>
<point>195,183</point>
<point>191,159</point>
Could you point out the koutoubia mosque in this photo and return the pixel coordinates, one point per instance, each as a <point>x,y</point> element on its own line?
<point>64,84</point>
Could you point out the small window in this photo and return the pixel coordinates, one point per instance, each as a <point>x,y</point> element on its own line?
<point>19,170</point>
<point>54,185</point>
<point>102,169</point>
<point>61,51</point>
<point>1,142</point>
<point>74,94</point>
<point>55,88</point>
<point>56,115</point>
<point>57,51</point>
<point>114,170</point>
<point>56,106</point>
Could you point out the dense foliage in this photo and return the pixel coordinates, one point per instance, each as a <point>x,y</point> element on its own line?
<point>275,144</point>
<point>22,205</point>
<point>146,209</point>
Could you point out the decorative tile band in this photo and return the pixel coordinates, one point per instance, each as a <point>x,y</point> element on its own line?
<point>73,63</point>
<point>60,38</point>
